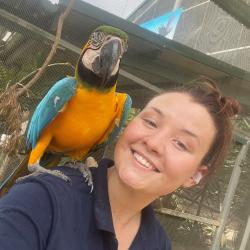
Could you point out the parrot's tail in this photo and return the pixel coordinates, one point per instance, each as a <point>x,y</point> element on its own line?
<point>19,171</point>
<point>48,160</point>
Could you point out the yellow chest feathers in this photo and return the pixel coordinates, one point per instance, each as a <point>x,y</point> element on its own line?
<point>84,120</point>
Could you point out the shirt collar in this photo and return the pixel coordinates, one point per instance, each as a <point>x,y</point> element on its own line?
<point>147,227</point>
<point>102,209</point>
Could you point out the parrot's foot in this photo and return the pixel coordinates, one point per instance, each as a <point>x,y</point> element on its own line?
<point>84,169</point>
<point>37,170</point>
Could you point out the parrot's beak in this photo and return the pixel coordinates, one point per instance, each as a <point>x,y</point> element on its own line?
<point>99,66</point>
<point>107,63</point>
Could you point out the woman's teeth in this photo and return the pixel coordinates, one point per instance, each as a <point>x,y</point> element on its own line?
<point>143,161</point>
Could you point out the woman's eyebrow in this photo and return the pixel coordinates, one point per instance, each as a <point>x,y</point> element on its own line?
<point>157,110</point>
<point>188,132</point>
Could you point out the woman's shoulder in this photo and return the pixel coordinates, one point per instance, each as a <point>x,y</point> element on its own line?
<point>42,205</point>
<point>76,181</point>
<point>47,193</point>
<point>49,187</point>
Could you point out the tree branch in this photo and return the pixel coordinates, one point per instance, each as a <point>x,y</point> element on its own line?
<point>48,66</point>
<point>52,52</point>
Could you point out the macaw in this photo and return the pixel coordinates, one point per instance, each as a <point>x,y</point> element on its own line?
<point>81,112</point>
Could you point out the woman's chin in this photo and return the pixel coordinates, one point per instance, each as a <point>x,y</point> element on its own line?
<point>131,179</point>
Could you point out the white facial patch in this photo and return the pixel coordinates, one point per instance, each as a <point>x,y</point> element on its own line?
<point>89,57</point>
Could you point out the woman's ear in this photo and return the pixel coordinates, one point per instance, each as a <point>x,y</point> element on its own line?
<point>200,173</point>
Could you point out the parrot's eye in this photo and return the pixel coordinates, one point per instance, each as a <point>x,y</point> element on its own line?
<point>97,38</point>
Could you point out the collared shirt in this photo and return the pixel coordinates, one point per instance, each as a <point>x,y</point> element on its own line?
<point>46,213</point>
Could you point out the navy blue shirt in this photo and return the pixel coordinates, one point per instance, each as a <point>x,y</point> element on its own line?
<point>45,212</point>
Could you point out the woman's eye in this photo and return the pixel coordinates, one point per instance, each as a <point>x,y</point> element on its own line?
<point>181,145</point>
<point>150,123</point>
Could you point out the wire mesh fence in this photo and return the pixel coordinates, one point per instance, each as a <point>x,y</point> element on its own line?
<point>21,55</point>
<point>22,52</point>
<point>206,201</point>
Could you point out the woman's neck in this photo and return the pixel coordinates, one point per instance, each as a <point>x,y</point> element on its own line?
<point>126,204</point>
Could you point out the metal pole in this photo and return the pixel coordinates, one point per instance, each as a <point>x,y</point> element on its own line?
<point>245,236</point>
<point>140,81</point>
<point>229,196</point>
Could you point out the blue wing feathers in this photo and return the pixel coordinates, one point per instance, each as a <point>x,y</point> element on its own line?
<point>116,130</point>
<point>127,107</point>
<point>48,108</point>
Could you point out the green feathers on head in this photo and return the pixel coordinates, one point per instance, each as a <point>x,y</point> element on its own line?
<point>109,30</point>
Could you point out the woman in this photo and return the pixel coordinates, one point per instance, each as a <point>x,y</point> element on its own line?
<point>180,137</point>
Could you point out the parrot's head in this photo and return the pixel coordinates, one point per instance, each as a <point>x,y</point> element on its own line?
<point>98,65</point>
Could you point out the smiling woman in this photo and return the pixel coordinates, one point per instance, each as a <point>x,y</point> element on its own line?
<point>180,137</point>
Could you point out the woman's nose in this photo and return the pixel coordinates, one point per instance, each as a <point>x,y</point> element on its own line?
<point>155,143</point>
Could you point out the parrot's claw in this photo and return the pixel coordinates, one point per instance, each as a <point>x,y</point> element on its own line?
<point>86,174</point>
<point>84,169</point>
<point>37,170</point>
<point>91,162</point>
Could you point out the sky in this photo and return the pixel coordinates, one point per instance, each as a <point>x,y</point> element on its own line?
<point>121,8</point>
<point>54,1</point>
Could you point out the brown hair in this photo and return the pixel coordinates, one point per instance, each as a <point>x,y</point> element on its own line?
<point>205,92</point>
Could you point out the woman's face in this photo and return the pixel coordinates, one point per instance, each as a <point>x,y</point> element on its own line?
<point>162,148</point>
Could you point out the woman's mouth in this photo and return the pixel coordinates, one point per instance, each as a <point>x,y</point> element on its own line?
<point>144,162</point>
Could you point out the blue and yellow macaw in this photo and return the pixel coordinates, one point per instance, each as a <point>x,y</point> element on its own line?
<point>81,112</point>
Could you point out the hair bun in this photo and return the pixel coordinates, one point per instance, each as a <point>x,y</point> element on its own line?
<point>230,106</point>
